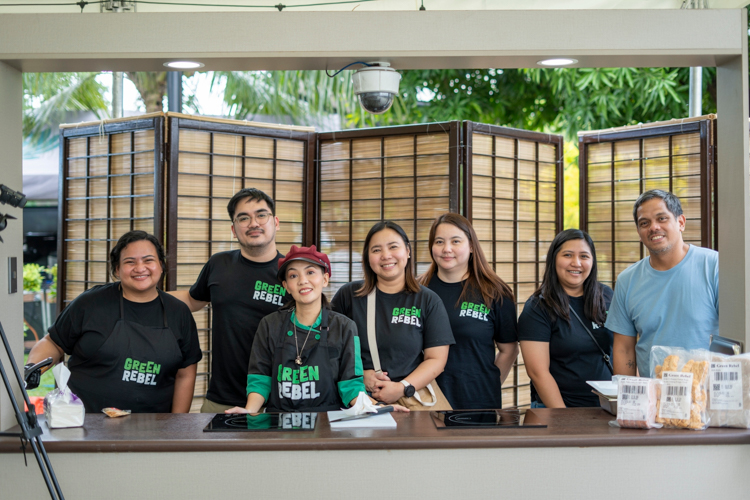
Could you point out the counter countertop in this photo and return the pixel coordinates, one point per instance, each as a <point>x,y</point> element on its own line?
<point>575,427</point>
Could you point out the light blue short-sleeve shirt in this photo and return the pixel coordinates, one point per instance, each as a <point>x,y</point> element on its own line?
<point>678,307</point>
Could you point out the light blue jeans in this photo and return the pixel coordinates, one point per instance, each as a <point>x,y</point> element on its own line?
<point>536,404</point>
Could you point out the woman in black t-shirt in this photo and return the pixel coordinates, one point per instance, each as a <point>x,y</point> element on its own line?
<point>413,330</point>
<point>559,353</point>
<point>482,315</point>
<point>131,345</point>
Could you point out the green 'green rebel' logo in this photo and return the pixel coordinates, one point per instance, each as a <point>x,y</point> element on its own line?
<point>268,293</point>
<point>472,310</point>
<point>407,315</point>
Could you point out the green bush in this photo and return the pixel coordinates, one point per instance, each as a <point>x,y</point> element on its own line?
<point>32,277</point>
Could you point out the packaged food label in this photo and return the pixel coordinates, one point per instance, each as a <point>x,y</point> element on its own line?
<point>726,386</point>
<point>676,395</point>
<point>632,398</point>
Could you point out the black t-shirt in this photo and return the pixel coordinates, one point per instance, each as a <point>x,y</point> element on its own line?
<point>471,379</point>
<point>241,293</point>
<point>84,326</point>
<point>573,356</point>
<point>407,323</point>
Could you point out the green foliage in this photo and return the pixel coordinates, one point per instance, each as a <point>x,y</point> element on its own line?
<point>32,277</point>
<point>53,288</point>
<point>47,96</point>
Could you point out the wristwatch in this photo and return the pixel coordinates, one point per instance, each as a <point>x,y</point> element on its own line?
<point>409,389</point>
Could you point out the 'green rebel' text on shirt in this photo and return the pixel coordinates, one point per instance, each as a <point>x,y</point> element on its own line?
<point>407,315</point>
<point>298,383</point>
<point>471,310</point>
<point>140,372</point>
<point>268,293</point>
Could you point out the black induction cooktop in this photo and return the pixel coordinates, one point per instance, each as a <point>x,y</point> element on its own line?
<point>262,422</point>
<point>466,419</point>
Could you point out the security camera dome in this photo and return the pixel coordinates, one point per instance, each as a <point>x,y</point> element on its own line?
<point>376,86</point>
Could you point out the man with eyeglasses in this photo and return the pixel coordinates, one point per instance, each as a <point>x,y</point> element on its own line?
<point>242,287</point>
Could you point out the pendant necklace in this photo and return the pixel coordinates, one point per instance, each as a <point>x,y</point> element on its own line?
<point>298,359</point>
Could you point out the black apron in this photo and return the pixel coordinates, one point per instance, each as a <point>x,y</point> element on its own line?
<point>134,369</point>
<point>294,388</point>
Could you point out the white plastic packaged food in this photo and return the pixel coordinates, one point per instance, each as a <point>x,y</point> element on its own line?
<point>637,402</point>
<point>62,408</point>
<point>683,395</point>
<point>729,391</point>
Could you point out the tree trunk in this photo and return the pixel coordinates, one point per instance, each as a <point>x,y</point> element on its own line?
<point>152,86</point>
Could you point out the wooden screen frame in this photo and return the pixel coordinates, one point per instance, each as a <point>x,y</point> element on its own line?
<point>92,131</point>
<point>469,128</point>
<point>453,128</point>
<point>707,133</point>
<point>177,123</point>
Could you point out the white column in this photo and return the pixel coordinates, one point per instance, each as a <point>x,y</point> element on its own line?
<point>11,174</point>
<point>733,195</point>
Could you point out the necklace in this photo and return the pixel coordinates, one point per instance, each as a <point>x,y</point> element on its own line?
<point>298,359</point>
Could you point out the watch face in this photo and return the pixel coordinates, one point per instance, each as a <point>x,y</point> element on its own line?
<point>409,391</point>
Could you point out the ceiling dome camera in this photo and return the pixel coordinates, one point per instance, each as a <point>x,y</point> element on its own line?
<point>376,85</point>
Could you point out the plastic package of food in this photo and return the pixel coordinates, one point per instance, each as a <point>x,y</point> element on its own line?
<point>636,402</point>
<point>683,395</point>
<point>729,391</point>
<point>115,412</point>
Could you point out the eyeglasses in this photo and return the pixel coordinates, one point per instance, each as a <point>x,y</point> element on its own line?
<point>246,220</point>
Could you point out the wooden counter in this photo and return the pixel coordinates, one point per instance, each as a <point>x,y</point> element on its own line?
<point>577,456</point>
<point>184,432</point>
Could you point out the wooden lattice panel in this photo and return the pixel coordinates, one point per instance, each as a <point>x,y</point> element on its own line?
<point>111,183</point>
<point>616,167</point>
<point>210,161</point>
<point>405,174</point>
<point>514,200</point>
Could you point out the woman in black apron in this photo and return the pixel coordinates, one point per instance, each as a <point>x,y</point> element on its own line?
<point>131,345</point>
<point>305,357</point>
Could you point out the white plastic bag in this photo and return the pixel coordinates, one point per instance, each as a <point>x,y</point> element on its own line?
<point>683,396</point>
<point>62,408</point>
<point>729,391</point>
<point>637,402</point>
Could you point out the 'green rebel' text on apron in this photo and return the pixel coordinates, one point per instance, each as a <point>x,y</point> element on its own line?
<point>134,369</point>
<point>310,386</point>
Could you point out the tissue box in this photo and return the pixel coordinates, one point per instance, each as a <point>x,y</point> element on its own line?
<point>62,408</point>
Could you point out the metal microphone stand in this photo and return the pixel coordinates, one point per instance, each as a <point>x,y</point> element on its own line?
<point>30,430</point>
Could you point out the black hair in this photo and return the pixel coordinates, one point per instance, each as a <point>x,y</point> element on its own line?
<point>371,279</point>
<point>551,294</point>
<point>670,200</point>
<point>131,237</point>
<point>252,193</point>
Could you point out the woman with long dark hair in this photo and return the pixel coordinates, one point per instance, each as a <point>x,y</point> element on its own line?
<point>412,329</point>
<point>561,329</point>
<point>482,315</point>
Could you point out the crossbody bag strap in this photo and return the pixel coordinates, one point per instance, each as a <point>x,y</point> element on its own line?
<point>372,341</point>
<point>604,354</point>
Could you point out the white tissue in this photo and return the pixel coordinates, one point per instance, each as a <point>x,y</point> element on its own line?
<point>361,406</point>
<point>62,408</point>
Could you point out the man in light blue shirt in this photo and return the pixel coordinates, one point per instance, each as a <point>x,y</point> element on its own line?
<point>670,298</point>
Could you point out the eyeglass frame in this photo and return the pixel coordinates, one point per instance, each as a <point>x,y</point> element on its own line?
<point>252,217</point>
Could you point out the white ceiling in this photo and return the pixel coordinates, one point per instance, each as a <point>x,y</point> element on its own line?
<point>388,5</point>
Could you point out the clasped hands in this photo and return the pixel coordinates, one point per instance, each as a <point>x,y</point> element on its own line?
<point>383,389</point>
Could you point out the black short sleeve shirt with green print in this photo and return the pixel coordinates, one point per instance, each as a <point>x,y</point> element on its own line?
<point>343,354</point>
<point>407,323</point>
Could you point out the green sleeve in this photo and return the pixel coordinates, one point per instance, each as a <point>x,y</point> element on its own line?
<point>260,384</point>
<point>351,382</point>
<point>350,389</point>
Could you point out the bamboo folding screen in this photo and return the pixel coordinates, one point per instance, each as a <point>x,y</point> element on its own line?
<point>209,161</point>
<point>513,192</point>
<point>617,166</point>
<point>111,183</point>
<point>329,189</point>
<point>406,174</point>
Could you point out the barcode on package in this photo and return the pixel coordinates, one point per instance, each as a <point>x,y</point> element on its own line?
<point>634,389</point>
<point>676,391</point>
<point>726,386</point>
